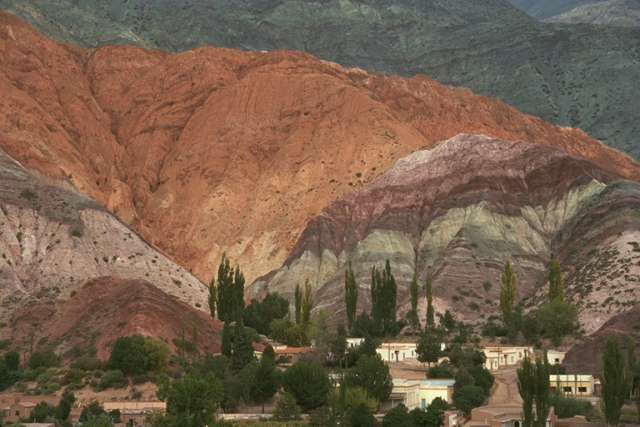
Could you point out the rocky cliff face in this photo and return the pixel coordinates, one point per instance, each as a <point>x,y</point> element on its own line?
<point>458,211</point>
<point>569,75</point>
<point>216,150</point>
<point>53,240</point>
<point>622,13</point>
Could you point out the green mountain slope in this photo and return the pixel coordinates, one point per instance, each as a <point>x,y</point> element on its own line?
<point>570,75</point>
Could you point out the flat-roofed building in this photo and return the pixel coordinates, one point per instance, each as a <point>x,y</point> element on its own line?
<point>556,357</point>
<point>499,357</point>
<point>506,415</point>
<point>419,393</point>
<point>575,385</point>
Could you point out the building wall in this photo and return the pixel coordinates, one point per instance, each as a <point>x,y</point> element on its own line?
<point>574,385</point>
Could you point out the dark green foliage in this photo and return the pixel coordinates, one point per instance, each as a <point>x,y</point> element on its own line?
<point>286,332</point>
<point>112,379</point>
<point>298,304</point>
<point>338,346</point>
<point>508,294</point>
<point>308,383</point>
<point>372,374</point>
<point>428,348</point>
<point>242,350</point>
<point>412,316</point>
<point>193,399</point>
<point>227,340</point>
<point>535,390</point>
<point>230,291</point>
<point>430,311</point>
<point>556,282</point>
<point>213,296</point>
<point>567,407</point>
<point>397,417</point>
<point>65,405</point>
<point>616,382</point>
<point>286,408</point>
<point>42,412</point>
<point>557,319</point>
<point>307,304</point>
<point>43,359</point>
<point>135,355</point>
<point>383,301</point>
<point>350,295</point>
<point>444,370</point>
<point>468,397</point>
<point>91,411</point>
<point>12,360</point>
<point>363,326</point>
<point>448,321</point>
<point>266,378</point>
<point>361,416</point>
<point>259,314</point>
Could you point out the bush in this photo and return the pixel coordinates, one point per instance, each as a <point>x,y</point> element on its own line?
<point>567,407</point>
<point>113,379</point>
<point>43,359</point>
<point>136,355</point>
<point>468,397</point>
<point>286,409</point>
<point>87,363</point>
<point>444,370</point>
<point>308,383</point>
<point>372,374</point>
<point>259,314</point>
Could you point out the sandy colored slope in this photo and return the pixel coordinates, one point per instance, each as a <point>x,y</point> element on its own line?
<point>219,150</point>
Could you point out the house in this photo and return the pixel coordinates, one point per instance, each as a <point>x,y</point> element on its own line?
<point>505,415</point>
<point>419,393</point>
<point>291,354</point>
<point>21,408</point>
<point>354,342</point>
<point>135,414</point>
<point>575,385</point>
<point>397,351</point>
<point>555,357</point>
<point>498,357</point>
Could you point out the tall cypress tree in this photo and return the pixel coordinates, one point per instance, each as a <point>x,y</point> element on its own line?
<point>297,300</point>
<point>413,292</point>
<point>535,390</point>
<point>390,291</point>
<point>430,311</point>
<point>508,294</point>
<point>227,340</point>
<point>242,353</point>
<point>377,305</point>
<point>526,387</point>
<point>238,295</point>
<point>615,382</point>
<point>212,298</point>
<point>224,285</point>
<point>556,282</point>
<point>350,295</point>
<point>543,393</point>
<point>307,304</point>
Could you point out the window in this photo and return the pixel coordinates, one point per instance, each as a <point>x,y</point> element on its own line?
<point>567,389</point>
<point>423,403</point>
<point>582,389</point>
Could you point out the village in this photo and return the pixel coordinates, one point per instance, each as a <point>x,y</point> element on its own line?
<point>411,387</point>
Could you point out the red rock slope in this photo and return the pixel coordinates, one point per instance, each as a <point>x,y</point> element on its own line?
<point>215,149</point>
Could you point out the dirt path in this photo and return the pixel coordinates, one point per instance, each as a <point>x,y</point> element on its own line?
<point>505,390</point>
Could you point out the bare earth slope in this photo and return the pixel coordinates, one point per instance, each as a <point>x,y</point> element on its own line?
<point>53,240</point>
<point>217,150</point>
<point>459,211</point>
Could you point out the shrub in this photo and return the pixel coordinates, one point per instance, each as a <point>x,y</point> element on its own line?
<point>286,409</point>
<point>113,379</point>
<point>136,355</point>
<point>567,407</point>
<point>308,383</point>
<point>43,359</point>
<point>87,363</point>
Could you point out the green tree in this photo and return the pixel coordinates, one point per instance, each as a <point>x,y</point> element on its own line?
<point>350,295</point>
<point>64,406</point>
<point>229,286</point>
<point>414,321</point>
<point>430,311</point>
<point>557,319</point>
<point>259,314</point>
<point>308,383</point>
<point>91,411</point>
<point>372,374</point>
<point>42,412</point>
<point>297,299</point>
<point>307,304</point>
<point>361,416</point>
<point>213,294</point>
<point>102,420</point>
<point>535,390</point>
<point>390,291</point>
<point>397,417</point>
<point>556,282</point>
<point>227,340</point>
<point>468,397</point>
<point>194,398</point>
<point>286,408</point>
<point>242,353</point>
<point>43,359</point>
<point>12,360</point>
<point>135,355</point>
<point>266,378</point>
<point>615,382</point>
<point>428,347</point>
<point>543,393</point>
<point>508,294</point>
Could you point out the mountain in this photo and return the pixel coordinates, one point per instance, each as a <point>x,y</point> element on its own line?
<point>459,211</point>
<point>569,75</point>
<point>216,150</point>
<point>54,240</point>
<point>623,13</point>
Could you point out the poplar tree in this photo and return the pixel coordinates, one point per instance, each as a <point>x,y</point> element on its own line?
<point>535,390</point>
<point>212,298</point>
<point>297,300</point>
<point>307,304</point>
<point>227,340</point>
<point>556,282</point>
<point>376,300</point>
<point>430,311</point>
<point>413,293</point>
<point>508,294</point>
<point>527,391</point>
<point>237,295</point>
<point>390,298</point>
<point>615,382</point>
<point>543,393</point>
<point>350,295</point>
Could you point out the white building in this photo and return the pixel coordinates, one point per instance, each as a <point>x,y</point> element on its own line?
<point>498,357</point>
<point>400,351</point>
<point>420,393</point>
<point>555,357</point>
<point>354,342</point>
<point>575,385</point>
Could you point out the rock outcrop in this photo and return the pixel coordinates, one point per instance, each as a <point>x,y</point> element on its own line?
<point>217,150</point>
<point>458,212</point>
